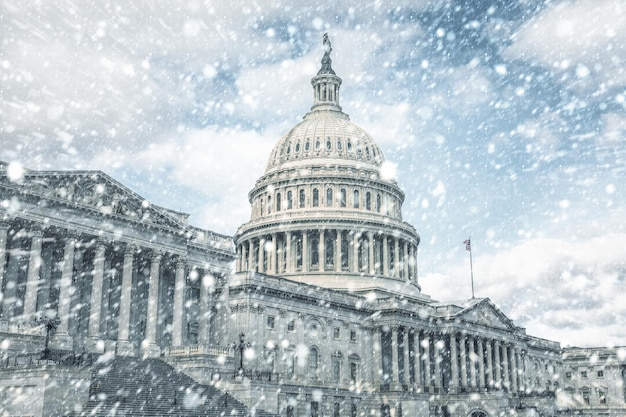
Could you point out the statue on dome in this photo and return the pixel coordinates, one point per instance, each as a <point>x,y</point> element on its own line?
<point>327,45</point>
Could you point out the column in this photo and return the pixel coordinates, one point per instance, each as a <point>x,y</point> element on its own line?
<point>305,251</point>
<point>497,366</point>
<point>4,233</point>
<point>481,363</point>
<point>417,359</point>
<point>123,346</point>
<point>407,364</point>
<point>405,265</point>
<point>32,280</point>
<point>204,320</point>
<point>437,358</point>
<point>94,344</point>
<point>385,256</point>
<point>289,266</point>
<point>428,382</point>
<point>505,364</point>
<point>377,335</point>
<point>489,370</point>
<point>355,253</point>
<point>462,356</point>
<point>261,267</point>
<point>322,251</point>
<point>395,376</point>
<point>338,251</point>
<point>372,262</point>
<point>396,257</point>
<point>148,346</point>
<point>251,266</point>
<point>472,361</point>
<point>179,303</point>
<point>454,364</point>
<point>62,339</point>
<point>273,253</point>
<point>525,380</point>
<point>514,369</point>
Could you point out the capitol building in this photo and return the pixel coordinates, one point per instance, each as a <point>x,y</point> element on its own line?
<point>111,305</point>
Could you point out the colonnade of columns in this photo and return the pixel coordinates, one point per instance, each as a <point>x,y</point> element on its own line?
<point>329,250</point>
<point>457,362</point>
<point>97,291</point>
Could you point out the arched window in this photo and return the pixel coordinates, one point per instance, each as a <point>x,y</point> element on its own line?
<point>289,200</point>
<point>302,199</point>
<point>318,145</point>
<point>354,368</point>
<point>378,203</point>
<point>299,252</point>
<point>329,197</point>
<point>329,247</point>
<point>336,364</point>
<point>349,146</point>
<point>315,252</point>
<point>342,197</point>
<point>298,147</point>
<point>356,201</point>
<point>339,145</point>
<point>307,146</point>
<point>368,201</point>
<point>262,206</point>
<point>316,197</point>
<point>344,252</point>
<point>269,204</point>
<point>278,202</point>
<point>329,145</point>
<point>313,360</point>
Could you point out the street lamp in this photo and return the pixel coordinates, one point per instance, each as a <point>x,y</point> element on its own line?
<point>241,346</point>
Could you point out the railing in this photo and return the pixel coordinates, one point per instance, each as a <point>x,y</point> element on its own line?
<point>24,328</point>
<point>57,357</point>
<point>194,350</point>
<point>253,375</point>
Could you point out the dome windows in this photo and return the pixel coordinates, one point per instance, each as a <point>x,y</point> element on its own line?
<point>298,147</point>
<point>318,145</point>
<point>307,146</point>
<point>339,145</point>
<point>329,144</point>
<point>349,146</point>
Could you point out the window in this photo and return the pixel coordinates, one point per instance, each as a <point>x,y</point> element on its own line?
<point>342,197</point>
<point>315,407</point>
<point>344,252</point>
<point>583,374</point>
<point>355,201</point>
<point>349,146</point>
<point>288,149</point>
<point>291,326</point>
<point>330,252</point>
<point>600,374</point>
<point>585,394</point>
<point>568,375</point>
<point>353,410</point>
<point>313,357</point>
<point>307,146</point>
<point>602,396</point>
<point>298,147</point>
<point>278,202</point>
<point>354,372</point>
<point>316,197</point>
<point>318,145</point>
<point>336,412</point>
<point>270,322</point>
<point>339,145</point>
<point>329,145</point>
<point>290,411</point>
<point>378,203</point>
<point>336,332</point>
<point>353,336</point>
<point>302,199</point>
<point>336,368</point>
<point>368,201</point>
<point>262,206</point>
<point>329,197</point>
<point>289,199</point>
<point>315,252</point>
<point>269,204</point>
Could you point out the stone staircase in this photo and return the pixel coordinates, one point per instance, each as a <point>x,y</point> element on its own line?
<point>123,386</point>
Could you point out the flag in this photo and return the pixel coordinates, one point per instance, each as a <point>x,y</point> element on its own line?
<point>468,245</point>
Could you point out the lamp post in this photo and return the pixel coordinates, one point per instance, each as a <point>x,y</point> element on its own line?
<point>50,324</point>
<point>241,346</point>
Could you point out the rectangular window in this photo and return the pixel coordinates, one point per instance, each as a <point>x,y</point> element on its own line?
<point>290,411</point>
<point>353,335</point>
<point>568,375</point>
<point>336,332</point>
<point>586,397</point>
<point>291,326</point>
<point>583,374</point>
<point>336,370</point>
<point>600,374</point>
<point>336,410</point>
<point>270,322</point>
<point>315,409</point>
<point>602,396</point>
<point>353,410</point>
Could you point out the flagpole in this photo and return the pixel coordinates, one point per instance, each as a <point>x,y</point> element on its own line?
<point>468,247</point>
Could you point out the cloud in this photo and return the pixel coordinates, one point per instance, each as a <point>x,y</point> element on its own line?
<point>572,289</point>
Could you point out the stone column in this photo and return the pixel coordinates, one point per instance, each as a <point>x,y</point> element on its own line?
<point>525,371</point>
<point>123,346</point>
<point>427,365</point>
<point>481,363</point>
<point>377,335</point>
<point>62,339</point>
<point>396,257</point>
<point>32,280</point>
<point>405,264</point>
<point>94,343</point>
<point>251,266</point>
<point>355,253</point>
<point>338,251</point>
<point>463,358</point>
<point>149,347</point>
<point>385,256</point>
<point>497,366</point>
<point>417,359</point>
<point>407,358</point>
<point>261,267</point>
<point>454,364</point>
<point>505,363</point>
<point>179,303</point>
<point>205,311</point>
<point>395,376</point>
<point>372,262</point>
<point>305,251</point>
<point>4,235</point>
<point>514,369</point>
<point>322,251</point>
<point>289,265</point>
<point>472,360</point>
<point>489,370</point>
<point>437,358</point>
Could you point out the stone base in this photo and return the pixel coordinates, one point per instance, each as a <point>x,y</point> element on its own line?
<point>124,348</point>
<point>94,345</point>
<point>151,350</point>
<point>62,342</point>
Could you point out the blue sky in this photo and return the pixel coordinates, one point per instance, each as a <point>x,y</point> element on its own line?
<point>506,121</point>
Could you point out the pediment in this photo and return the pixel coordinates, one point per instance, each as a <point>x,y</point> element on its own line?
<point>485,313</point>
<point>97,191</point>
